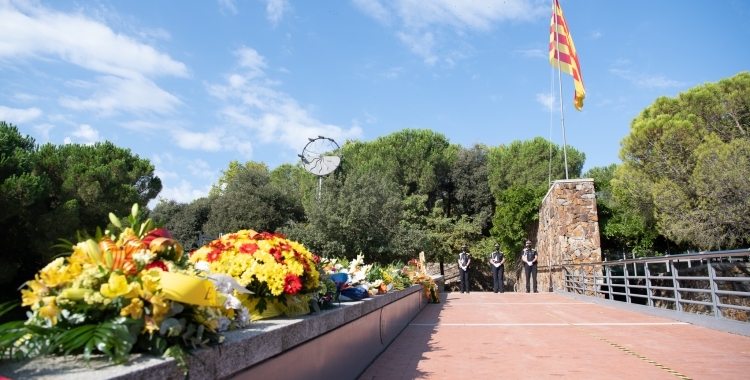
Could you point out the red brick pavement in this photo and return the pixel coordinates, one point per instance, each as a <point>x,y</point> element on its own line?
<point>545,335</point>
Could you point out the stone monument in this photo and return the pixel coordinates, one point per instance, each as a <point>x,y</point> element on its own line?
<point>568,232</point>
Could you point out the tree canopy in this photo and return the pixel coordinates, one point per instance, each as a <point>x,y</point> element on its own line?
<point>677,149</point>
<point>50,192</point>
<point>251,201</point>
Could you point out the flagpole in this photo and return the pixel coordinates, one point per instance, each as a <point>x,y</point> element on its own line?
<point>559,80</point>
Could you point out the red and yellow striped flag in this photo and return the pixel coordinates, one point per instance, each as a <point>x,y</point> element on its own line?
<point>562,50</point>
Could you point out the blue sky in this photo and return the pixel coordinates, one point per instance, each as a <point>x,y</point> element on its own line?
<point>193,85</point>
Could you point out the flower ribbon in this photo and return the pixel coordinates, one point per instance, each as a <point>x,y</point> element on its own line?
<point>187,289</point>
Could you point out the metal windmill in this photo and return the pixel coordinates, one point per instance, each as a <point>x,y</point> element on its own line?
<point>321,156</point>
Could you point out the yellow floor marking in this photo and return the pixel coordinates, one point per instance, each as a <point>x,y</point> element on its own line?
<point>619,347</point>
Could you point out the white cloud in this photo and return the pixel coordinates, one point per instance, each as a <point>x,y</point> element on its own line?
<point>215,140</point>
<point>145,126</point>
<point>374,9</point>
<point>19,115</point>
<point>124,94</point>
<point>370,118</point>
<point>228,4</point>
<point>547,100</point>
<point>275,10</point>
<point>209,141</point>
<point>596,34</point>
<point>30,32</point>
<point>201,169</point>
<point>163,174</point>
<point>84,134</point>
<point>419,21</point>
<point>24,97</point>
<point>393,73</point>
<point>530,53</point>
<point>251,60</point>
<point>270,116</point>
<point>182,192</point>
<point>478,15</point>
<point>647,81</point>
<point>43,130</point>
<point>421,45</point>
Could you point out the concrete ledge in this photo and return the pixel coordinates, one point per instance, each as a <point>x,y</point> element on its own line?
<point>242,349</point>
<point>735,327</point>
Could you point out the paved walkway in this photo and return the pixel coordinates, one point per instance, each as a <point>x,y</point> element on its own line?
<point>545,335</point>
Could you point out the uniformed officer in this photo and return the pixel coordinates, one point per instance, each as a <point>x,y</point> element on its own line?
<point>497,264</point>
<point>530,257</point>
<point>464,260</point>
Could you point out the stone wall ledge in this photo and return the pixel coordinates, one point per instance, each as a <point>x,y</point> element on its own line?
<point>241,349</point>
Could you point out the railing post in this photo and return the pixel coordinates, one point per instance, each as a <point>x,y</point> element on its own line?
<point>596,288</point>
<point>609,282</point>
<point>627,282</point>
<point>583,280</point>
<point>648,284</point>
<point>714,288</point>
<point>675,286</point>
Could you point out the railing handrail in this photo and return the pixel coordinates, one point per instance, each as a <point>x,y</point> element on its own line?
<point>684,256</point>
<point>620,279</point>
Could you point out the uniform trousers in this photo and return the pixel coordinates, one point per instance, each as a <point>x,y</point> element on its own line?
<point>530,274</point>
<point>497,278</point>
<point>464,276</point>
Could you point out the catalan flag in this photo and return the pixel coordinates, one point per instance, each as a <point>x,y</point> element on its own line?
<point>562,51</point>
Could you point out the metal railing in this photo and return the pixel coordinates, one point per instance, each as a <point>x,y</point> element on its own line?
<point>712,283</point>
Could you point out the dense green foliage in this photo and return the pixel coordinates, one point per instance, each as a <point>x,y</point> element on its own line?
<point>251,201</point>
<point>417,160</point>
<point>50,192</point>
<point>471,187</point>
<point>356,214</point>
<point>527,163</point>
<point>183,220</point>
<point>684,170</point>
<point>519,178</point>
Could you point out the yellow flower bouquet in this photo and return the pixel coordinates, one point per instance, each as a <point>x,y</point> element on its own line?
<point>121,292</point>
<point>282,274</point>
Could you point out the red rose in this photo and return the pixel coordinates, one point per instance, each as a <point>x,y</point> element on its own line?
<point>158,264</point>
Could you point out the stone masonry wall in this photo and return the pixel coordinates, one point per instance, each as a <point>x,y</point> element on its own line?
<point>568,231</point>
